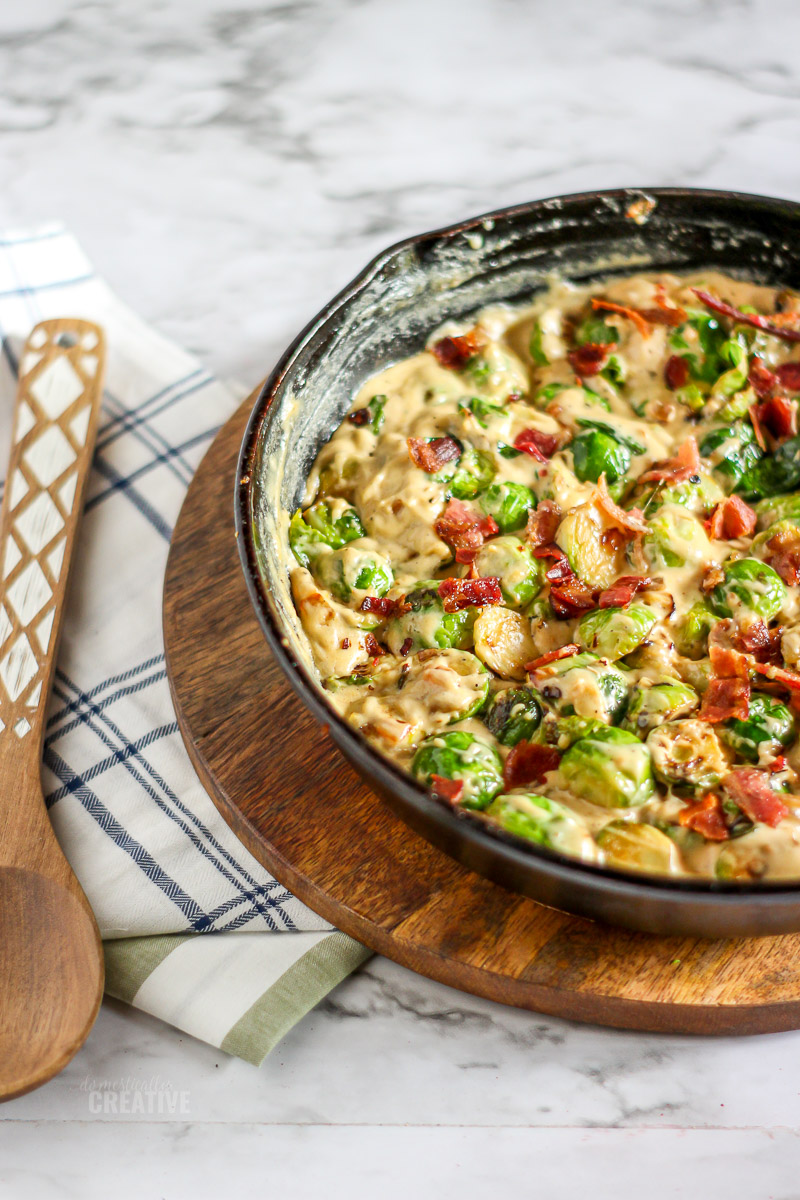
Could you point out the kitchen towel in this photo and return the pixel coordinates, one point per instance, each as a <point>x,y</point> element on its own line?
<point>195,930</point>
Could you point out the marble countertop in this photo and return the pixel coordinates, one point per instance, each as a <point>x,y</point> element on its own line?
<point>228,168</point>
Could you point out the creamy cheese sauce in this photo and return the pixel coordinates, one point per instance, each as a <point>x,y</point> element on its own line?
<point>474,514</point>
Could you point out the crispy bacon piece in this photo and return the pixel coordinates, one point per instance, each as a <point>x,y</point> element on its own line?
<point>449,790</point>
<point>664,313</point>
<point>782,675</point>
<point>676,372</point>
<point>569,595</point>
<point>706,817</point>
<point>528,762</point>
<point>789,376</point>
<point>724,649</point>
<point>469,593</point>
<point>731,518</point>
<point>623,590</point>
<point>725,699</point>
<point>683,466</point>
<point>464,529</point>
<point>361,416</point>
<point>455,352</point>
<point>372,646</point>
<point>540,446</point>
<point>750,789</point>
<point>632,314</point>
<point>405,649</point>
<point>630,522</point>
<point>761,379</point>
<point>432,456</point>
<point>591,358</point>
<point>783,555</point>
<point>755,320</point>
<point>543,523</point>
<point>777,415</point>
<point>552,656</point>
<point>381,605</point>
<point>755,421</point>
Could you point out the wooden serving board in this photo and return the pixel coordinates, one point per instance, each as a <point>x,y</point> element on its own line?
<point>280,783</point>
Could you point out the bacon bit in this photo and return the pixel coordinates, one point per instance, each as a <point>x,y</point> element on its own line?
<point>455,352</point>
<point>449,790</point>
<point>513,397</point>
<point>538,445</point>
<point>372,646</point>
<point>750,789</point>
<point>755,421</point>
<point>778,416</point>
<point>528,762</point>
<point>629,522</point>
<point>784,555</point>
<point>469,593</point>
<point>782,675</point>
<point>706,817</point>
<point>379,604</point>
<point>727,659</point>
<point>665,313</point>
<point>731,518</point>
<point>569,595</point>
<point>345,643</point>
<point>713,575</point>
<point>590,359</point>
<point>360,417</point>
<point>632,314</point>
<point>543,522</point>
<point>789,376</point>
<point>725,699</point>
<point>778,764</point>
<point>552,656</point>
<point>550,550</point>
<point>676,372</point>
<point>405,649</point>
<point>432,456</point>
<point>683,466</point>
<point>761,379</point>
<point>464,529</point>
<point>755,320</point>
<point>623,590</point>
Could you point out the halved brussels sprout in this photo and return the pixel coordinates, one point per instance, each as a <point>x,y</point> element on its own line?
<point>353,569</point>
<point>687,752</point>
<point>650,707</point>
<point>675,537</point>
<point>467,476</point>
<point>503,641</point>
<point>694,629</point>
<point>614,632</point>
<point>461,756</point>
<point>762,544</point>
<point>508,559</point>
<point>699,495</point>
<point>582,685</point>
<point>330,523</point>
<point>743,859</point>
<point>543,821</point>
<point>774,474</point>
<point>425,624</point>
<point>769,727</point>
<point>610,768</point>
<point>749,585</point>
<point>594,559</point>
<point>509,504</point>
<point>633,846</point>
<point>778,508</point>
<point>732,450</point>
<point>512,715</point>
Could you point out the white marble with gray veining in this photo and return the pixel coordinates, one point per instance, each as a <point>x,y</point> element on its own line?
<point>228,167</point>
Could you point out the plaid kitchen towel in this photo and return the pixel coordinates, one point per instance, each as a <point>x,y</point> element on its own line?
<point>195,931</point>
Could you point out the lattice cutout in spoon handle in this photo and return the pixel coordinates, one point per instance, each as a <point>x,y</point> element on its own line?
<point>54,429</point>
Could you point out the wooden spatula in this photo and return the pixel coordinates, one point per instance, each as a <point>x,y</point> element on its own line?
<point>51,961</point>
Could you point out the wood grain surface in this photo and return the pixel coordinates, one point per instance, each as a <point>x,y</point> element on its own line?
<point>302,811</point>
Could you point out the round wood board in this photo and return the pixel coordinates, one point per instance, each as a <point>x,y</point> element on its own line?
<point>302,811</point>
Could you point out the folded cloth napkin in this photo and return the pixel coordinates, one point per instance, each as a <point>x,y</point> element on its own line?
<point>195,930</point>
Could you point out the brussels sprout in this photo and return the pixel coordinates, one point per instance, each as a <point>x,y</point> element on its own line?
<point>582,685</point>
<point>325,523</point>
<point>509,504</point>
<point>353,569</point>
<point>482,410</point>
<point>335,683</point>
<point>513,714</point>
<point>595,453</point>
<point>564,732</point>
<point>652,706</point>
<point>698,494</point>
<point>543,821</point>
<point>743,859</point>
<point>675,537</point>
<point>614,632</point>
<point>509,560</point>
<point>468,475</point>
<point>535,346</point>
<point>734,352</point>
<point>750,585</point>
<point>503,641</point>
<point>632,846</point>
<point>760,546</point>
<point>687,752</point>
<point>460,755</point>
<point>732,450</point>
<point>769,727</point>
<point>597,329</point>
<point>778,508</point>
<point>774,474</point>
<point>694,630</point>
<point>426,624</point>
<point>610,768</point>
<point>707,337</point>
<point>549,392</point>
<point>593,558</point>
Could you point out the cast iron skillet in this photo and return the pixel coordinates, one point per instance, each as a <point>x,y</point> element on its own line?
<point>385,314</point>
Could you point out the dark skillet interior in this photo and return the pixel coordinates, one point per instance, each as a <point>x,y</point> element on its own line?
<point>386,314</point>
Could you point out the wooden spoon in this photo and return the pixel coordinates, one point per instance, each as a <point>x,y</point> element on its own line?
<point>51,960</point>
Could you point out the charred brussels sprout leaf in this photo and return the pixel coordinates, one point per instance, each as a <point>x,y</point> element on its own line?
<point>769,726</point>
<point>610,768</point>
<point>540,820</point>
<point>750,586</point>
<point>652,706</point>
<point>513,714</point>
<point>425,624</point>
<point>509,504</point>
<point>509,560</point>
<point>460,756</point>
<point>632,846</point>
<point>614,632</point>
